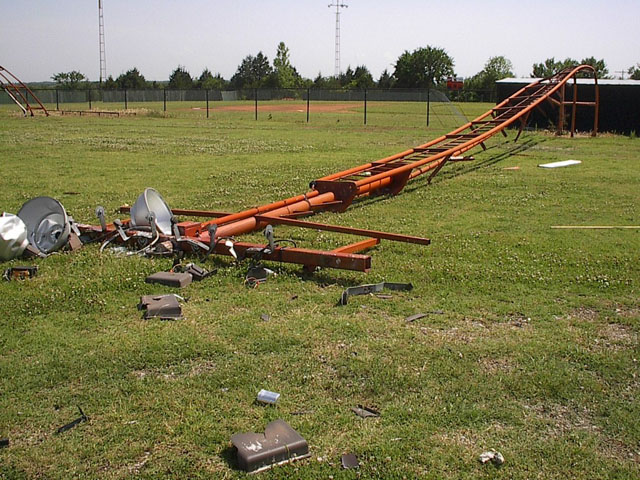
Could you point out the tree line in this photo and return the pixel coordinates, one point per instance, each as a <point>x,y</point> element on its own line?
<point>426,67</point>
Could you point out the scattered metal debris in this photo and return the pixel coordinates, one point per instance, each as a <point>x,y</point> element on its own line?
<point>164,307</point>
<point>74,241</point>
<point>373,288</point>
<point>417,316</point>
<point>256,275</point>
<point>349,460</point>
<point>33,252</point>
<point>70,425</point>
<point>20,273</point>
<point>491,456</point>
<point>197,272</point>
<point>265,396</point>
<point>365,412</point>
<point>277,445</point>
<point>265,317</point>
<point>170,279</point>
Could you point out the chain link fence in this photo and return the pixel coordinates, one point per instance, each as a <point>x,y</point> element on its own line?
<point>298,100</point>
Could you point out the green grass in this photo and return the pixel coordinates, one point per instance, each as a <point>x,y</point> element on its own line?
<point>535,353</point>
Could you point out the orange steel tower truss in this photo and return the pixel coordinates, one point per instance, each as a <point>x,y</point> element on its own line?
<point>20,93</point>
<point>385,176</point>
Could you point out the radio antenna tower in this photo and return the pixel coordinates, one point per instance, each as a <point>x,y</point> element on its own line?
<point>103,59</point>
<point>338,6</point>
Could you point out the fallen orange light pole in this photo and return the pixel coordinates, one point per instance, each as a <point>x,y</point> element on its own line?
<point>389,175</point>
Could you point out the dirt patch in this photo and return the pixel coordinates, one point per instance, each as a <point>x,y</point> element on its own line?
<point>495,366</point>
<point>627,312</point>
<point>518,320</point>
<point>470,441</point>
<point>142,461</point>
<point>562,420</point>
<point>615,337</point>
<point>583,313</point>
<point>286,107</point>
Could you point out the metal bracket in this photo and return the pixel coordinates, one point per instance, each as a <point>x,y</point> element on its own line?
<point>212,237</point>
<point>152,221</point>
<point>345,192</point>
<point>268,233</point>
<point>74,226</point>
<point>118,224</point>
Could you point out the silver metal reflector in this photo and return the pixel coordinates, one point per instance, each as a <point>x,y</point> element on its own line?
<point>150,201</point>
<point>13,237</point>
<point>47,223</point>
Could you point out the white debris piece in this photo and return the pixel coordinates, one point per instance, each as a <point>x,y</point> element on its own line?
<point>491,456</point>
<point>564,163</point>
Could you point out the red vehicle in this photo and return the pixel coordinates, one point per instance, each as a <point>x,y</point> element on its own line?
<point>455,83</point>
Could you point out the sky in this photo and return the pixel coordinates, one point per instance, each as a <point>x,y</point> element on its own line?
<point>39,38</point>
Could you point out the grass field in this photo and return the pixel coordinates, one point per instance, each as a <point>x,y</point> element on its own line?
<point>529,346</point>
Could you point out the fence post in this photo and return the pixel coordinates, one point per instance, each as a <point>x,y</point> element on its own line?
<point>125,98</point>
<point>308,98</point>
<point>57,102</point>
<point>365,106</point>
<point>206,94</point>
<point>164,99</point>
<point>255,95</point>
<point>89,94</point>
<point>428,103</point>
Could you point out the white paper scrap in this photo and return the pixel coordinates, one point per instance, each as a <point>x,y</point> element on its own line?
<point>564,163</point>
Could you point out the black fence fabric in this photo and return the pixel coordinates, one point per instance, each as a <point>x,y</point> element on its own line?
<point>59,96</point>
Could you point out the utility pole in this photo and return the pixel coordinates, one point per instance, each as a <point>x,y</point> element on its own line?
<point>103,59</point>
<point>338,6</point>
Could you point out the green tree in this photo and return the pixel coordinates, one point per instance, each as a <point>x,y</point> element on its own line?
<point>550,67</point>
<point>346,78</point>
<point>180,79</point>
<point>634,72</point>
<point>329,83</point>
<point>599,65</point>
<point>210,82</point>
<point>495,69</point>
<point>253,72</point>
<point>70,80</point>
<point>362,78</point>
<point>132,79</point>
<point>110,83</point>
<point>286,75</point>
<point>386,80</point>
<point>423,67</point>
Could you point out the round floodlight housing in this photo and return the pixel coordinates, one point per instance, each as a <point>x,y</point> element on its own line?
<point>13,237</point>
<point>48,225</point>
<point>150,201</point>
